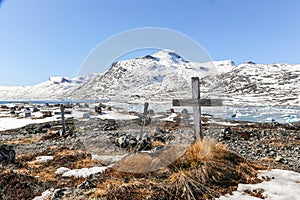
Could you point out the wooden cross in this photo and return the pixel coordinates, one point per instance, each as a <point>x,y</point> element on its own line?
<point>146,105</point>
<point>196,102</point>
<point>62,112</point>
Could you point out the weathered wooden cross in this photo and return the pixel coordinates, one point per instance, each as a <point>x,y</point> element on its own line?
<point>146,105</point>
<point>196,102</point>
<point>62,112</point>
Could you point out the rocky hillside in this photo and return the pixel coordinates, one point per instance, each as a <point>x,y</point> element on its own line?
<point>263,84</point>
<point>160,76</point>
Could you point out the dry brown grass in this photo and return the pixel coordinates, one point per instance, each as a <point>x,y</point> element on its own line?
<point>214,162</point>
<point>48,175</point>
<point>34,164</point>
<point>185,186</point>
<point>87,163</point>
<point>147,162</point>
<point>157,144</point>
<point>99,193</point>
<point>30,140</point>
<point>202,150</point>
<point>206,170</point>
<point>267,160</point>
<point>15,185</point>
<point>62,157</point>
<point>68,152</point>
<point>257,194</point>
<point>136,190</point>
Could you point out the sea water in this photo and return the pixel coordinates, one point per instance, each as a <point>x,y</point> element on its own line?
<point>51,101</point>
<point>280,114</point>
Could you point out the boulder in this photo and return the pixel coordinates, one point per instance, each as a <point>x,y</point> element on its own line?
<point>7,154</point>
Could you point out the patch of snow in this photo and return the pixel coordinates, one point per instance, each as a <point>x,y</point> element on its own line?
<point>283,185</point>
<point>62,170</point>
<point>224,123</point>
<point>43,159</point>
<point>110,159</point>
<point>170,118</point>
<point>83,172</point>
<point>45,195</point>
<point>116,116</point>
<point>12,123</point>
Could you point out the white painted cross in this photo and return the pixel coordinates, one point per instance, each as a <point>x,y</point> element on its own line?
<point>196,102</point>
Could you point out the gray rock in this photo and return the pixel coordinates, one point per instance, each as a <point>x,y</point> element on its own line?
<point>60,193</point>
<point>7,154</point>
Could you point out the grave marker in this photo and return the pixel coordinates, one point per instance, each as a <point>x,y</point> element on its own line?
<point>62,112</point>
<point>146,105</point>
<point>196,102</point>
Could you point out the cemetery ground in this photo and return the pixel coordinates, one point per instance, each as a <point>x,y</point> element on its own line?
<point>61,166</point>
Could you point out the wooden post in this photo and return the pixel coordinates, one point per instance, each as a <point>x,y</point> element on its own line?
<point>146,105</point>
<point>62,112</point>
<point>196,102</point>
<point>197,108</point>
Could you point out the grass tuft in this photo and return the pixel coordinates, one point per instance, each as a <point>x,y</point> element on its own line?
<point>205,171</point>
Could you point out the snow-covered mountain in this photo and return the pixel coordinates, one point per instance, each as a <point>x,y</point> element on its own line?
<point>258,84</point>
<point>160,76</point>
<point>53,88</point>
<point>166,75</point>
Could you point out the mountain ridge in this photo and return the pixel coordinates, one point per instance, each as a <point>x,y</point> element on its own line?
<point>165,75</point>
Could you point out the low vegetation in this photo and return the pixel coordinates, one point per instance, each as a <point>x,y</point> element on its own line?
<point>205,171</point>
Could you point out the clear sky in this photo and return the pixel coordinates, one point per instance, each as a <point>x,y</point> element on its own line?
<point>43,38</point>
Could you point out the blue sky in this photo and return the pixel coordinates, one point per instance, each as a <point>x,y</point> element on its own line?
<point>46,38</point>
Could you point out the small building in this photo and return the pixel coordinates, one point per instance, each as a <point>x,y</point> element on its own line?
<point>81,114</point>
<point>98,109</point>
<point>47,113</point>
<point>27,112</point>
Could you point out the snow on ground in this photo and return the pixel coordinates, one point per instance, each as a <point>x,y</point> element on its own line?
<point>45,195</point>
<point>7,123</point>
<point>170,118</point>
<point>78,173</point>
<point>110,159</point>
<point>12,123</point>
<point>116,116</point>
<point>61,170</point>
<point>283,185</point>
<point>43,159</point>
<point>224,123</point>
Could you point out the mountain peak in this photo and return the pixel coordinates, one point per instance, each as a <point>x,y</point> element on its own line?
<point>58,79</point>
<point>167,54</point>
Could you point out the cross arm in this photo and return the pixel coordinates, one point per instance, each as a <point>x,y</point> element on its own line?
<point>197,102</point>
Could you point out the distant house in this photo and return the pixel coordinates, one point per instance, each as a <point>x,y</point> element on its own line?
<point>46,113</point>
<point>85,114</point>
<point>27,112</point>
<point>13,110</point>
<point>98,109</point>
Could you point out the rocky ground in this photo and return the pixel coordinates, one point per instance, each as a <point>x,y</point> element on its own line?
<point>270,144</point>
